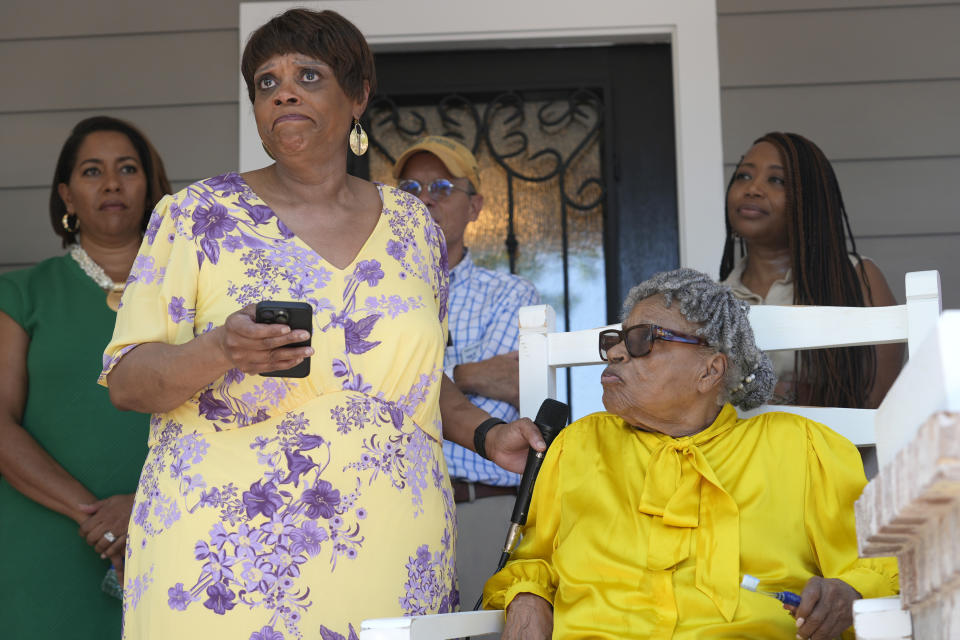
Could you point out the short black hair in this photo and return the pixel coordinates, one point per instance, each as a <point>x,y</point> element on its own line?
<point>324,35</point>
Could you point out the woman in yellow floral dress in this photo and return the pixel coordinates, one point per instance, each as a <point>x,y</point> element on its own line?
<point>274,507</point>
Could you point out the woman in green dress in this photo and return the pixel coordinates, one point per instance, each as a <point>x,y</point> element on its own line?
<point>70,461</point>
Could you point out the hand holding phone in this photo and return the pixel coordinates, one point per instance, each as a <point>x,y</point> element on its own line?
<point>296,315</point>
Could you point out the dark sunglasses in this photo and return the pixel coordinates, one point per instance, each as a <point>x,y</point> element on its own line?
<point>439,188</point>
<point>639,339</point>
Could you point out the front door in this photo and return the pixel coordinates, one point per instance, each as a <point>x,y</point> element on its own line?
<point>577,158</point>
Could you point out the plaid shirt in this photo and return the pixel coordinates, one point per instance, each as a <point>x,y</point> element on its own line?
<point>483,322</point>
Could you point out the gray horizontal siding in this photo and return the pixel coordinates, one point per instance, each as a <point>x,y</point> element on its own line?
<point>27,235</point>
<point>902,197</point>
<point>731,7</point>
<point>905,43</point>
<point>27,19</point>
<point>120,71</point>
<point>897,256</point>
<point>193,140</point>
<point>849,121</point>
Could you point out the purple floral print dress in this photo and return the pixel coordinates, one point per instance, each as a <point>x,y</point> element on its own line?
<point>278,508</point>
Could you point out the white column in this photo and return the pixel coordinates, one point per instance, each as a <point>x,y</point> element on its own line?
<point>911,510</point>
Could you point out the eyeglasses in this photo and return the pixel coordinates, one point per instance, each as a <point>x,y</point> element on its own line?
<point>639,339</point>
<point>439,188</point>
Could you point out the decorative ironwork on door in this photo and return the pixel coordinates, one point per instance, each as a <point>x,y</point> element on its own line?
<point>541,172</point>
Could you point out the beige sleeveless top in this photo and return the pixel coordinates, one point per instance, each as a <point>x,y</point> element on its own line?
<point>780,294</point>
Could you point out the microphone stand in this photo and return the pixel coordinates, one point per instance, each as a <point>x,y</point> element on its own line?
<point>513,533</point>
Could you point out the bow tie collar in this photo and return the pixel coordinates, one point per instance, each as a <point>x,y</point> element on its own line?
<point>682,493</point>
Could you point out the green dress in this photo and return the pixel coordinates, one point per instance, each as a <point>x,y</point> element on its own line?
<point>50,578</point>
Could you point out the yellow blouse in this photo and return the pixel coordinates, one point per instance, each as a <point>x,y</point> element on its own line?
<point>637,534</point>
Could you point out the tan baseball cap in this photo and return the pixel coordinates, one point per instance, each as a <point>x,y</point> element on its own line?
<point>455,157</point>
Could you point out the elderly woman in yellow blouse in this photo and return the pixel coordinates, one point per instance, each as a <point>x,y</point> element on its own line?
<point>646,517</point>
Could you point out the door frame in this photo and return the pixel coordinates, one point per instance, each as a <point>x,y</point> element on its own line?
<point>689,26</point>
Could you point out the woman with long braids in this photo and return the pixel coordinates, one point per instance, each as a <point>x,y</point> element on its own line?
<point>789,241</point>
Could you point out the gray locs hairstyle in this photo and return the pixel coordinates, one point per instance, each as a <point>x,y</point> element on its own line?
<point>722,319</point>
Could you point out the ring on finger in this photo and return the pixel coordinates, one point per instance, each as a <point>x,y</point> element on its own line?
<point>109,537</point>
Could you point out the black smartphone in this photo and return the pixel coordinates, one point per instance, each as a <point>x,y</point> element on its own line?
<point>296,315</point>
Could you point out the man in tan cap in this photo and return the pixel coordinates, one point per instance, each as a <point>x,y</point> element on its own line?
<point>481,357</point>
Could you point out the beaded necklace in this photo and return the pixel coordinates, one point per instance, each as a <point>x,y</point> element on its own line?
<point>97,274</point>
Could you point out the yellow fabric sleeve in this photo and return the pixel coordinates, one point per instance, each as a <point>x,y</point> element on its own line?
<point>835,480</point>
<point>164,273</point>
<point>531,568</point>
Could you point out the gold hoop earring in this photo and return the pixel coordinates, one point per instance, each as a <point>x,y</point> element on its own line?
<point>70,222</point>
<point>358,139</point>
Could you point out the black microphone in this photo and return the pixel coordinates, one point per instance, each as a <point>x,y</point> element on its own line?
<point>551,419</point>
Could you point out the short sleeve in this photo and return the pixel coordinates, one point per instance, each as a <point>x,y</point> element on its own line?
<point>12,299</point>
<point>159,302</point>
<point>835,480</point>
<point>531,568</point>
